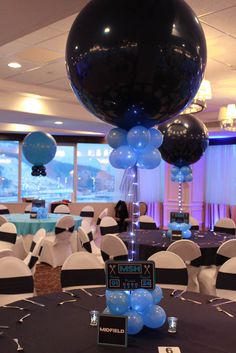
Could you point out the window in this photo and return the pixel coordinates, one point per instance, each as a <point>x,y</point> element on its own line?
<point>9,151</point>
<point>58,184</point>
<point>97,180</point>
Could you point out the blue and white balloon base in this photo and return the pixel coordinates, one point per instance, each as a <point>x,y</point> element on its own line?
<point>181,175</point>
<point>183,227</point>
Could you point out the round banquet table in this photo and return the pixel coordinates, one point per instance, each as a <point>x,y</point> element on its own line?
<point>150,241</point>
<point>65,328</point>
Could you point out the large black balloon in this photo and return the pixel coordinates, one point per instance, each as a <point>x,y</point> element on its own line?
<point>136,62</point>
<point>185,140</point>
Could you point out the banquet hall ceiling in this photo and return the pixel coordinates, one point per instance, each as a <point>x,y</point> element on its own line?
<point>34,34</point>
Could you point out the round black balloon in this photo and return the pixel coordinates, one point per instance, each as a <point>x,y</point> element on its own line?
<point>136,62</point>
<point>185,140</point>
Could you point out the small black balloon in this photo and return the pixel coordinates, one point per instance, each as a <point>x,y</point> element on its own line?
<point>133,62</point>
<point>185,140</point>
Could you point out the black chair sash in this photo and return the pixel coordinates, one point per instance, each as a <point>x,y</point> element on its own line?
<point>82,277</point>
<point>87,246</point>
<point>40,250</point>
<point>147,225</point>
<point>224,230</point>
<point>33,244</point>
<point>90,236</point>
<point>98,221</point>
<point>171,276</point>
<point>86,214</point>
<point>16,285</point>
<point>196,262</point>
<point>106,257</point>
<point>221,259</point>
<point>194,227</point>
<point>27,212</point>
<point>109,230</point>
<point>4,211</point>
<point>32,261</point>
<point>226,281</point>
<point>59,230</point>
<point>8,237</point>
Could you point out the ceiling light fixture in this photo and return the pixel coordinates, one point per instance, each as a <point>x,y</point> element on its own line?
<point>227,117</point>
<point>58,122</point>
<point>14,65</point>
<point>199,102</point>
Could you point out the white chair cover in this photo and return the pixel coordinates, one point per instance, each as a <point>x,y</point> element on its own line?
<point>4,209</point>
<point>113,248</point>
<point>147,222</point>
<point>62,209</point>
<point>194,223</point>
<point>225,225</point>
<point>35,249</point>
<point>87,213</point>
<point>7,236</point>
<point>226,280</point>
<point>109,225</point>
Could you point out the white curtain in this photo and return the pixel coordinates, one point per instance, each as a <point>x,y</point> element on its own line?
<point>151,184</point>
<point>221,174</point>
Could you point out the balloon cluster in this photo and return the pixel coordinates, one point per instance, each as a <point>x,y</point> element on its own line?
<point>183,227</point>
<point>181,175</point>
<point>138,146</point>
<point>139,305</point>
<point>38,170</point>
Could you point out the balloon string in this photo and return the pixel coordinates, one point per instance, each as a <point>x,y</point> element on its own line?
<point>180,197</point>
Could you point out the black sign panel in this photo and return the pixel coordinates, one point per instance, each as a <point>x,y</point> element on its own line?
<point>112,330</point>
<point>38,203</point>
<point>176,235</point>
<point>179,217</point>
<point>130,275</point>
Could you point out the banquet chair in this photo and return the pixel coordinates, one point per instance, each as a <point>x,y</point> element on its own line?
<point>194,223</point>
<point>207,275</point>
<point>62,209</point>
<point>35,249</point>
<point>7,239</point>
<point>147,222</point>
<point>190,253</point>
<point>16,280</point>
<point>4,209</point>
<point>142,208</point>
<point>87,241</point>
<point>109,225</point>
<point>82,269</point>
<point>113,248</point>
<point>171,271</point>
<point>57,247</point>
<point>3,219</point>
<point>87,213</point>
<point>225,225</point>
<point>226,280</point>
<point>28,208</point>
<point>104,213</point>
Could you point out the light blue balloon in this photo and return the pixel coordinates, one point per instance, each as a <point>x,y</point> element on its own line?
<point>185,170</point>
<point>117,137</point>
<point>123,157</point>
<point>154,317</point>
<point>135,322</point>
<point>169,233</point>
<point>189,177</point>
<point>156,137</point>
<point>173,178</point>
<point>118,302</point>
<point>39,148</point>
<point>179,177</point>
<point>149,158</point>
<point>140,299</point>
<point>138,137</point>
<point>174,170</point>
<point>157,295</point>
<point>186,234</point>
<point>183,226</point>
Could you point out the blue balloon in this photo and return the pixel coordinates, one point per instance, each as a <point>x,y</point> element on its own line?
<point>117,137</point>
<point>135,322</point>
<point>179,177</point>
<point>39,148</point>
<point>149,158</point>
<point>186,234</point>
<point>118,302</point>
<point>157,295</point>
<point>154,317</point>
<point>185,170</point>
<point>140,299</point>
<point>138,137</point>
<point>156,137</point>
<point>174,170</point>
<point>183,226</point>
<point>123,157</point>
<point>173,178</point>
<point>189,177</point>
<point>169,233</point>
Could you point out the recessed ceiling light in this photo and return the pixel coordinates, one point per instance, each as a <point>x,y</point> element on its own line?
<point>14,65</point>
<point>58,122</point>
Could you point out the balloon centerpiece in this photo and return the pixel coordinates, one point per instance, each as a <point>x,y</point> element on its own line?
<point>39,148</point>
<point>140,306</point>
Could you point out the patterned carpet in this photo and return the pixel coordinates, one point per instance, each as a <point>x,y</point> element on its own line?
<point>47,279</point>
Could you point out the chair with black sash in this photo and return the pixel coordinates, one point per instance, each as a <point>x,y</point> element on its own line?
<point>207,275</point>
<point>62,209</point>
<point>28,208</point>
<point>4,209</point>
<point>16,280</point>
<point>113,248</point>
<point>57,247</point>
<point>35,249</point>
<point>226,280</point>
<point>87,213</point>
<point>109,225</point>
<point>225,225</point>
<point>82,269</point>
<point>7,239</point>
<point>194,223</point>
<point>86,240</point>
<point>147,222</point>
<point>103,214</point>
<point>190,253</point>
<point>171,271</point>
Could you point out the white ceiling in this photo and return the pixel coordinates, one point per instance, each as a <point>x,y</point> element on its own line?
<point>37,37</point>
